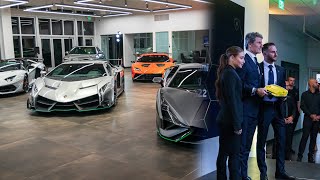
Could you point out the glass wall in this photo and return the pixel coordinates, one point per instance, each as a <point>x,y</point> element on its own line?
<point>190,46</point>
<point>143,43</point>
<point>162,42</point>
<point>85,33</point>
<point>23,30</point>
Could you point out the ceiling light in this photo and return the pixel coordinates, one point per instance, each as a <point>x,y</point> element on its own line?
<point>63,13</point>
<point>14,3</point>
<point>169,9</point>
<point>84,2</point>
<point>100,1</point>
<point>169,3</point>
<point>77,7</point>
<point>115,15</point>
<point>202,1</point>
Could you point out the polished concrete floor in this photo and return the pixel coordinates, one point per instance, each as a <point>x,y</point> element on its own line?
<point>119,143</point>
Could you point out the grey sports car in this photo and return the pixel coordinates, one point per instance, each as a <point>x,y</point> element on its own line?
<point>186,110</point>
<point>79,86</point>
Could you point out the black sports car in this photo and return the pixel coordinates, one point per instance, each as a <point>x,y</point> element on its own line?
<point>186,106</point>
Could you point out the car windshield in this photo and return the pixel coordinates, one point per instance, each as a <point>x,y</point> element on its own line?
<point>77,72</point>
<point>83,50</point>
<point>154,58</point>
<point>189,79</point>
<point>10,66</point>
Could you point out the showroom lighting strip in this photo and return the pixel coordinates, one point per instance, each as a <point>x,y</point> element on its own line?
<point>86,3</point>
<point>63,13</point>
<point>36,9</point>
<point>202,1</point>
<point>169,3</point>
<point>93,9</point>
<point>14,3</point>
<point>169,9</point>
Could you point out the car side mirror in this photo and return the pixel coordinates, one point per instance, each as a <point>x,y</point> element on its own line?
<point>43,73</point>
<point>67,52</point>
<point>174,61</point>
<point>158,80</point>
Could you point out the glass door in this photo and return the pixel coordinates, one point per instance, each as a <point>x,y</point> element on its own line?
<point>57,50</point>
<point>46,52</point>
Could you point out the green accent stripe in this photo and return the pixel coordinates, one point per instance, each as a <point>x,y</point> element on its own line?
<point>66,110</point>
<point>175,140</point>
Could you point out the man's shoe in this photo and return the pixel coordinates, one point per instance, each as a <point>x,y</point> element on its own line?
<point>311,158</point>
<point>284,176</point>
<point>246,178</point>
<point>299,158</point>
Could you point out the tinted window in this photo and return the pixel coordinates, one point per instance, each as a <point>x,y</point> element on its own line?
<point>77,72</point>
<point>189,79</point>
<point>154,58</point>
<point>83,50</point>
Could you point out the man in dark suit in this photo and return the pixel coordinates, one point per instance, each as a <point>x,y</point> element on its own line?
<point>251,78</point>
<point>271,113</point>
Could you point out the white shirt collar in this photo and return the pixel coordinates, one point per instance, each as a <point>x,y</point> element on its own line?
<point>251,55</point>
<point>266,64</point>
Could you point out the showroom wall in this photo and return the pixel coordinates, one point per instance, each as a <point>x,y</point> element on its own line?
<point>313,53</point>
<point>6,41</point>
<point>178,21</point>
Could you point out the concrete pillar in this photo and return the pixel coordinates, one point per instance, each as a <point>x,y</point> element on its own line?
<point>257,19</point>
<point>170,43</point>
<point>154,42</point>
<point>6,38</point>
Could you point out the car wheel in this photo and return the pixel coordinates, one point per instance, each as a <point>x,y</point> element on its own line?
<point>25,85</point>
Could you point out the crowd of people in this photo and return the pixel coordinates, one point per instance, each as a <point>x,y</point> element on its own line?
<point>247,105</point>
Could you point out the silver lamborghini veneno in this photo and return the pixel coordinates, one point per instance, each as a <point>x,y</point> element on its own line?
<point>78,86</point>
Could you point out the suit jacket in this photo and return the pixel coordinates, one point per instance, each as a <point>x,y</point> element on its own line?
<point>251,78</point>
<point>281,77</point>
<point>231,111</point>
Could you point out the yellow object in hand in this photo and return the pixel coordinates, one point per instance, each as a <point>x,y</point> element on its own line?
<point>276,91</point>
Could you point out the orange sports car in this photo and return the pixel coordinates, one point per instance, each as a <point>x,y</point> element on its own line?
<point>151,65</point>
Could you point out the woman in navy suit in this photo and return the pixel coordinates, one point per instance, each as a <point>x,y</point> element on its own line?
<point>229,93</point>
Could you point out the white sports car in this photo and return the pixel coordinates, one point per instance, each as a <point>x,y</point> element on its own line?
<point>18,74</point>
<point>78,86</point>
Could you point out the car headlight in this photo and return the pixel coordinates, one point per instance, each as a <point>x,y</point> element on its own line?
<point>9,79</point>
<point>137,69</point>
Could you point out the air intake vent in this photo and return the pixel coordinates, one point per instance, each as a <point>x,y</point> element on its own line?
<point>162,17</point>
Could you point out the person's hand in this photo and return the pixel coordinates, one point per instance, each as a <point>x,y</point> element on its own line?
<point>289,120</point>
<point>261,92</point>
<point>313,117</point>
<point>238,132</point>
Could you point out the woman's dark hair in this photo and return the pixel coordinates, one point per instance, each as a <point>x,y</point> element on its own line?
<point>224,60</point>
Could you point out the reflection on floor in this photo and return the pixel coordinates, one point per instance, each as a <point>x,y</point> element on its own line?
<point>119,143</point>
<point>301,170</point>
<point>295,147</point>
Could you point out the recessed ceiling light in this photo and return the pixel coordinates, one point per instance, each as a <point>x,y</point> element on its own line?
<point>169,9</point>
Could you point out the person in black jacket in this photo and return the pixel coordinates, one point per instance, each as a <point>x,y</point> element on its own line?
<point>310,101</point>
<point>229,93</point>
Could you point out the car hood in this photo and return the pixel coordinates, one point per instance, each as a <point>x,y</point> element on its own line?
<point>18,73</point>
<point>194,108</point>
<point>64,91</point>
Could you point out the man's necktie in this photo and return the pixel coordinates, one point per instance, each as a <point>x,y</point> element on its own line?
<point>271,76</point>
<point>257,64</point>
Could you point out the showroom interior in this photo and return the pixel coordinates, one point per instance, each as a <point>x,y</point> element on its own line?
<point>122,142</point>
